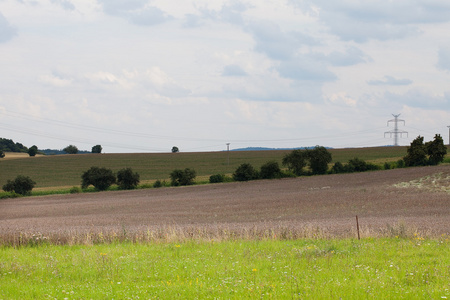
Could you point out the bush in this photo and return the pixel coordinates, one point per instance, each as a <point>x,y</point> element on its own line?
<point>416,153</point>
<point>127,180</point>
<point>338,168</point>
<point>75,190</point>
<point>436,150</point>
<point>100,178</point>
<point>400,163</point>
<point>158,183</point>
<point>22,185</point>
<point>216,178</point>
<point>359,165</point>
<point>270,170</point>
<point>387,166</point>
<point>182,177</point>
<point>245,172</point>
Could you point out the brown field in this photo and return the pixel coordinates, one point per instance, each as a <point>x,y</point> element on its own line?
<point>387,203</point>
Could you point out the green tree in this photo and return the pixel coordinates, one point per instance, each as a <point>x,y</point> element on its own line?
<point>270,170</point>
<point>319,158</point>
<point>416,153</point>
<point>2,154</point>
<point>100,178</point>
<point>22,185</point>
<point>71,149</point>
<point>245,172</point>
<point>295,161</point>
<point>436,150</point>
<point>175,149</point>
<point>182,177</point>
<point>127,179</point>
<point>33,150</point>
<point>97,149</point>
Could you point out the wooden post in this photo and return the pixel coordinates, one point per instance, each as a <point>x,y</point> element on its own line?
<point>357,227</point>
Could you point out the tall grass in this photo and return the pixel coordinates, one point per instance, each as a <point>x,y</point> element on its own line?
<point>383,268</point>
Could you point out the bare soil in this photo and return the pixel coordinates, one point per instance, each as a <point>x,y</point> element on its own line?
<point>384,201</point>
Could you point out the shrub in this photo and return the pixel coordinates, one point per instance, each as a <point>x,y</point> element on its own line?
<point>216,178</point>
<point>100,178</point>
<point>127,180</point>
<point>338,167</point>
<point>2,154</point>
<point>436,150</point>
<point>97,149</point>
<point>400,163</point>
<point>33,150</point>
<point>158,183</point>
<point>387,166</point>
<point>75,190</point>
<point>22,185</point>
<point>182,177</point>
<point>270,170</point>
<point>245,172</point>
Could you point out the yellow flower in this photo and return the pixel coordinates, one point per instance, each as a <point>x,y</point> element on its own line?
<point>254,270</point>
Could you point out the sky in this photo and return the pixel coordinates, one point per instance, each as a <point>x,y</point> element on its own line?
<point>147,75</point>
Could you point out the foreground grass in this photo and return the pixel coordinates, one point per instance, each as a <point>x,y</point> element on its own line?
<point>272,269</point>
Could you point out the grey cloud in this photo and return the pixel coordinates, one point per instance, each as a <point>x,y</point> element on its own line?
<point>66,4</point>
<point>135,11</point>
<point>361,21</point>
<point>444,59</point>
<point>305,69</point>
<point>271,41</point>
<point>389,80</point>
<point>230,13</point>
<point>350,57</point>
<point>233,70</point>
<point>7,32</point>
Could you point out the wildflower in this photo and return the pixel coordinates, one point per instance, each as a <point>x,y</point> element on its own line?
<point>254,270</point>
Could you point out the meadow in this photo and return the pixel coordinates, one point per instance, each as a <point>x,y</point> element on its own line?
<point>292,238</point>
<point>65,170</point>
<point>385,268</point>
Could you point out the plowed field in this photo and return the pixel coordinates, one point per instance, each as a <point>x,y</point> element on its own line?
<point>412,199</point>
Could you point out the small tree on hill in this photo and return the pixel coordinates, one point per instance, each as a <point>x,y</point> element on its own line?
<point>436,150</point>
<point>319,158</point>
<point>22,185</point>
<point>71,149</point>
<point>100,178</point>
<point>97,149</point>
<point>127,180</point>
<point>182,177</point>
<point>270,170</point>
<point>175,149</point>
<point>245,172</point>
<point>33,150</point>
<point>2,154</point>
<point>416,153</point>
<point>295,161</point>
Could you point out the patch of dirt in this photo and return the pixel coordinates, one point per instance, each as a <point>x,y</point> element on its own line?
<point>328,204</point>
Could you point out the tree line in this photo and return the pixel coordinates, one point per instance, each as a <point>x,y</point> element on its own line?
<point>296,163</point>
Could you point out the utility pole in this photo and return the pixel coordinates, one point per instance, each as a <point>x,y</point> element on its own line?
<point>396,132</point>
<point>448,135</point>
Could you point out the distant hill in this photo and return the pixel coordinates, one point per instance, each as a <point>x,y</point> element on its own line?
<point>58,152</point>
<point>268,149</point>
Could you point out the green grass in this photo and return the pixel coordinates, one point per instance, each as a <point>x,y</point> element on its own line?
<point>235,269</point>
<point>66,170</point>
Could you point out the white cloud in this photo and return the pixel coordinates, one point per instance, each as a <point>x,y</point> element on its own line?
<point>389,80</point>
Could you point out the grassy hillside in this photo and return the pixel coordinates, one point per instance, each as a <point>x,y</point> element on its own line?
<point>66,170</point>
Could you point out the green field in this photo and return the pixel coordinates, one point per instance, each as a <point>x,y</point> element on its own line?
<point>392,268</point>
<point>66,170</point>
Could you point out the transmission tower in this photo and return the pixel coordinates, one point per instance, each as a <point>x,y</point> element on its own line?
<point>396,132</point>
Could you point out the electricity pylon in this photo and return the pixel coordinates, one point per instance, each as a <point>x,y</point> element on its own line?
<point>396,132</point>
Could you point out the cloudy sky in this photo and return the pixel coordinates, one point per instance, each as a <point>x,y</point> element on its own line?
<point>146,75</point>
